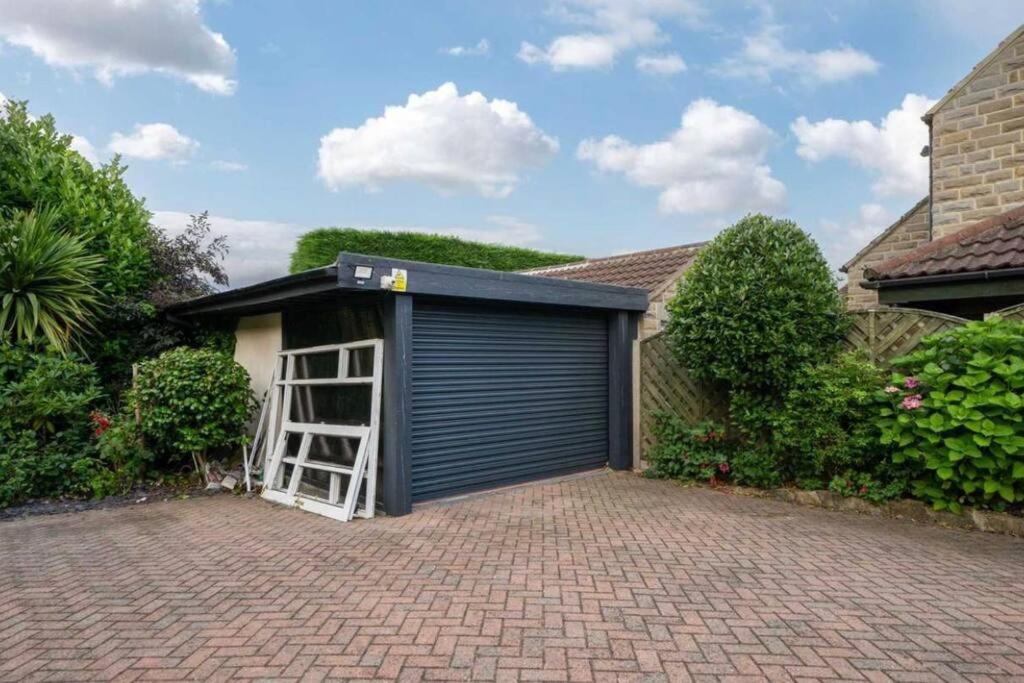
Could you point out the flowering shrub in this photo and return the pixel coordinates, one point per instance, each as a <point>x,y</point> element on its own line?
<point>958,413</point>
<point>693,453</point>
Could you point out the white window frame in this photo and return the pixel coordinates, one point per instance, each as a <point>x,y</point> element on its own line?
<point>365,466</point>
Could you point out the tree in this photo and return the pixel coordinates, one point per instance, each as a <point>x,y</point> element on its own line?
<point>187,265</point>
<point>758,304</point>
<point>46,281</point>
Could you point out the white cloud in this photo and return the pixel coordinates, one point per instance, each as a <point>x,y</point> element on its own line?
<point>660,65</point>
<point>450,142</point>
<point>607,29</point>
<point>844,239</point>
<point>714,162</point>
<point>151,141</point>
<point>229,166</point>
<point>481,49</point>
<point>260,250</point>
<point>764,54</point>
<point>116,38</point>
<point>890,150</point>
<point>85,148</point>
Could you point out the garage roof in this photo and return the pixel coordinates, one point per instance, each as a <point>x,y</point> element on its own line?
<point>427,279</point>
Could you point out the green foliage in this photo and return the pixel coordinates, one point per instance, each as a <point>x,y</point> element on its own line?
<point>758,303</point>
<point>826,423</point>
<point>321,247</point>
<point>864,485</point>
<point>958,413</point>
<point>46,281</point>
<point>690,453</point>
<point>755,465</point>
<point>193,400</point>
<point>39,170</point>
<point>122,450</point>
<point>45,443</point>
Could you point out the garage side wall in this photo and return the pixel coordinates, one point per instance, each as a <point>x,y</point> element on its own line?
<point>257,341</point>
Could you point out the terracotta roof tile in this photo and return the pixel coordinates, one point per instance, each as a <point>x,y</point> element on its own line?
<point>646,269</point>
<point>992,244</point>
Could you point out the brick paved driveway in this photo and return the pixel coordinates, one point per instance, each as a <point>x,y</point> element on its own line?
<point>607,576</point>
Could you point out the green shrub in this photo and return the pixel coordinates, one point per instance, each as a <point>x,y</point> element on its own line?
<point>864,485</point>
<point>321,248</point>
<point>827,421</point>
<point>958,413</point>
<point>122,451</point>
<point>758,303</point>
<point>38,169</point>
<point>192,400</point>
<point>46,449</point>
<point>755,465</point>
<point>697,453</point>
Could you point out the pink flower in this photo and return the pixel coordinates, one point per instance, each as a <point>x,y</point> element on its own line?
<point>724,468</point>
<point>891,389</point>
<point>911,383</point>
<point>912,402</point>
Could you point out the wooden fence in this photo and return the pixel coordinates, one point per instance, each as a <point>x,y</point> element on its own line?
<point>665,385</point>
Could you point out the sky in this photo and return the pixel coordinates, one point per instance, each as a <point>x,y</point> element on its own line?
<point>591,127</point>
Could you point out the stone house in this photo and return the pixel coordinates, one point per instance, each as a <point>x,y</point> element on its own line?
<point>958,250</point>
<point>658,271</point>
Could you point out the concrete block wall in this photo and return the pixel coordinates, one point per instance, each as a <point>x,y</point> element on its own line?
<point>909,233</point>
<point>978,146</point>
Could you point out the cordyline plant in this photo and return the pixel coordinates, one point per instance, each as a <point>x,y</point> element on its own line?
<point>46,281</point>
<point>958,413</point>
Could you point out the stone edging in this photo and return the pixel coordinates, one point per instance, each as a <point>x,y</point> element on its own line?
<point>977,520</point>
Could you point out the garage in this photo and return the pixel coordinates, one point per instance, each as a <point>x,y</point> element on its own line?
<point>483,379</point>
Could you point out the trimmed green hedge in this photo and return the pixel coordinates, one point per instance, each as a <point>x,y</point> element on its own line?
<point>321,247</point>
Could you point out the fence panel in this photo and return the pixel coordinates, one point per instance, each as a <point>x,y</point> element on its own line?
<point>1014,313</point>
<point>887,333</point>
<point>884,333</point>
<point>665,385</point>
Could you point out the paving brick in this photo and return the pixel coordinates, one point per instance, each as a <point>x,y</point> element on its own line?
<point>601,577</point>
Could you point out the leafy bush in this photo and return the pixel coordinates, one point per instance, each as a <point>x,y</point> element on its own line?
<point>45,443</point>
<point>958,413</point>
<point>826,423</point>
<point>122,451</point>
<point>864,485</point>
<point>690,453</point>
<point>321,248</point>
<point>38,169</point>
<point>46,281</point>
<point>193,400</point>
<point>758,303</point>
<point>755,465</point>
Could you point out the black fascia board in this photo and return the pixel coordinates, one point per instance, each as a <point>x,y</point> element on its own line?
<point>433,279</point>
<point>268,293</point>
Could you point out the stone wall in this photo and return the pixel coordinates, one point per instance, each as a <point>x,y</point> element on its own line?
<point>908,233</point>
<point>978,145</point>
<point>657,312</point>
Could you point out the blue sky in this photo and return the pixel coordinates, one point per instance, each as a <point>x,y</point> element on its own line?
<point>600,126</point>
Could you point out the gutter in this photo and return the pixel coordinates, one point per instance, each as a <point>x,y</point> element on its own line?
<point>982,275</point>
<point>328,275</point>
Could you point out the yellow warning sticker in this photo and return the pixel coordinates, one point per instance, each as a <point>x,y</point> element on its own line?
<point>400,278</point>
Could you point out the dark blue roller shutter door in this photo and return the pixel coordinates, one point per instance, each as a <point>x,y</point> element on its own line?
<point>502,396</point>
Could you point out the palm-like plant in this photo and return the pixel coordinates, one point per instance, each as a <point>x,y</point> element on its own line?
<point>46,281</point>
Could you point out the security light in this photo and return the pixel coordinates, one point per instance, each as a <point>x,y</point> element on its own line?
<point>364,272</point>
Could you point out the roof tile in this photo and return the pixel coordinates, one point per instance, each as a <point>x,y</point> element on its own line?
<point>646,269</point>
<point>992,244</point>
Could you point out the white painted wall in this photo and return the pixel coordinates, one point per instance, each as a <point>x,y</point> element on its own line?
<point>257,341</point>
